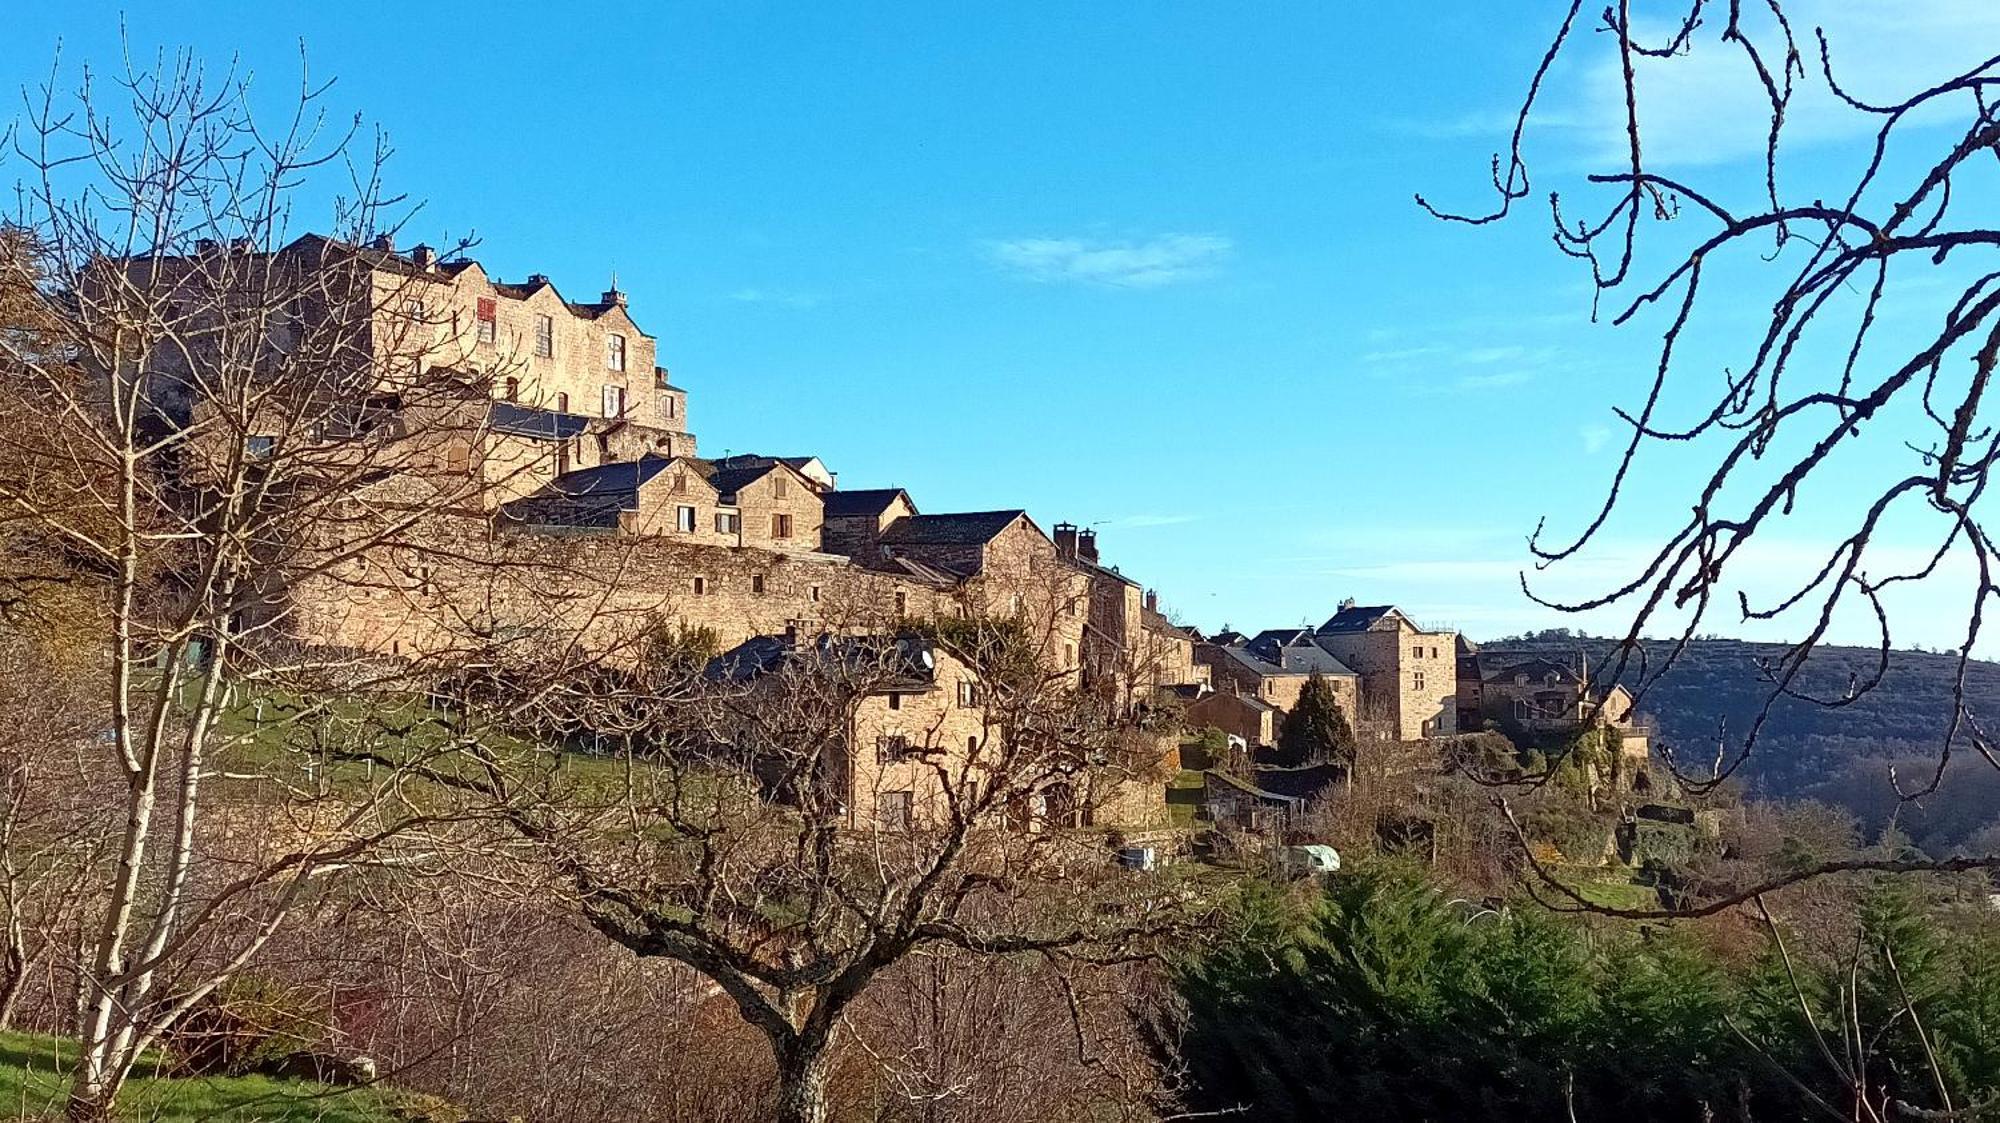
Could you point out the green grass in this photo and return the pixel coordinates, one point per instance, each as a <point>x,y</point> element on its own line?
<point>1611,889</point>
<point>1184,798</point>
<point>33,1086</point>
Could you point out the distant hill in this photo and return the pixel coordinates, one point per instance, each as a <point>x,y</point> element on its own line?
<point>1837,754</point>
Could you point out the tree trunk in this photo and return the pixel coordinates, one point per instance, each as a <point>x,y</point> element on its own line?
<point>803,1065</point>
<point>13,979</point>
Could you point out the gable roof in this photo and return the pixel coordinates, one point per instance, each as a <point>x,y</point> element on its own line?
<point>971,528</point>
<point>865,502</point>
<point>1361,618</point>
<point>1251,661</point>
<point>1537,669</point>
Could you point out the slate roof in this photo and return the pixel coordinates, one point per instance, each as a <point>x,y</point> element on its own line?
<point>1250,660</point>
<point>1537,671</point>
<point>972,528</point>
<point>589,497</point>
<point>542,424</point>
<point>1309,657</point>
<point>1269,639</point>
<point>1357,618</point>
<point>888,662</point>
<point>729,481</point>
<point>869,501</point>
<point>1228,637</point>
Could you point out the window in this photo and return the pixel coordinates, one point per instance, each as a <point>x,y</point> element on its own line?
<point>489,319</point>
<point>425,582</point>
<point>895,700</point>
<point>562,403</point>
<point>815,594</point>
<point>972,745</point>
<point>680,483</point>
<point>1434,652</point>
<point>684,520</point>
<point>545,336</point>
<point>892,810</point>
<point>902,602</point>
<point>779,487</point>
<point>892,747</point>
<point>260,448</point>
<point>667,406</point>
<point>614,352</point>
<point>1069,655</point>
<point>1420,680</point>
<point>614,401</point>
<point>757,583</point>
<point>513,389</point>
<point>701,586</point>
<point>968,694</point>
<point>1416,653</point>
<point>728,522</point>
<point>781,526</point>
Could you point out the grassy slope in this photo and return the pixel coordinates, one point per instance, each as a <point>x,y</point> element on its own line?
<point>32,1086</point>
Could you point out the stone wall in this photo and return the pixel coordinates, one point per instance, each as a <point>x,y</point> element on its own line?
<point>1409,678</point>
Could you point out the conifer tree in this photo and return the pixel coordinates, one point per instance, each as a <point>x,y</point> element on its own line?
<point>1315,731</point>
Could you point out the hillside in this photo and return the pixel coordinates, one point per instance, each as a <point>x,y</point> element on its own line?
<point>1837,754</point>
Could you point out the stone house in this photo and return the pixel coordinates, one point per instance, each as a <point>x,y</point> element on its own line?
<point>1131,651</point>
<point>1409,674</point>
<point>853,521</point>
<point>1547,697</point>
<point>1238,715</point>
<point>916,729</point>
<point>1275,667</point>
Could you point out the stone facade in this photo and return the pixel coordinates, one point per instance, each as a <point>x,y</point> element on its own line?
<point>1409,675</point>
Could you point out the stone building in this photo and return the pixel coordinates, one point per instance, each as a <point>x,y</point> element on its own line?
<point>1275,667</point>
<point>549,492</point>
<point>1540,697</point>
<point>1409,674</point>
<point>1131,651</point>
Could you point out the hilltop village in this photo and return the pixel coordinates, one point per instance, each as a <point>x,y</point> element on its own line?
<point>566,448</point>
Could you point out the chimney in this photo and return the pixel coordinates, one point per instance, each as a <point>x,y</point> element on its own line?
<point>425,258</point>
<point>1086,545</point>
<point>538,279</point>
<point>1152,600</point>
<point>614,295</point>
<point>1347,604</point>
<point>1066,541</point>
<point>205,245</point>
<point>384,242</point>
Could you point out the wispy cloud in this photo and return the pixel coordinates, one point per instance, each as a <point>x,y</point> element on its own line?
<point>1164,260</point>
<point>1595,437</point>
<point>1497,380</point>
<point>786,298</point>
<point>1709,107</point>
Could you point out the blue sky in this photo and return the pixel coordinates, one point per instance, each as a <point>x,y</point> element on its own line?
<point>1154,268</point>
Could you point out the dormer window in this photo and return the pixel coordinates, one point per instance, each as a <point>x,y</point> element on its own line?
<point>614,352</point>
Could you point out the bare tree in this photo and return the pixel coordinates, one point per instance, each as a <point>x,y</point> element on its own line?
<point>1823,407</point>
<point>222,414</point>
<point>799,816</point>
